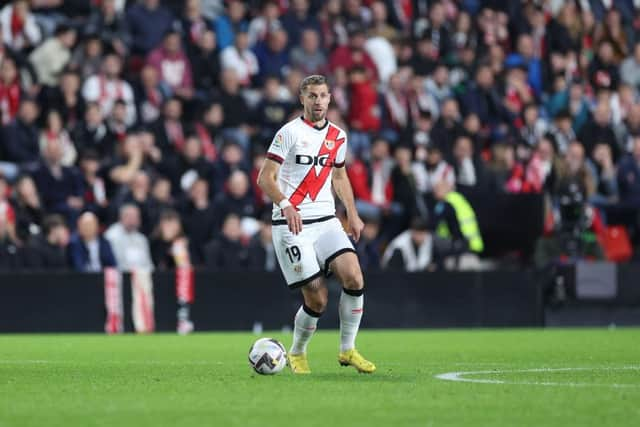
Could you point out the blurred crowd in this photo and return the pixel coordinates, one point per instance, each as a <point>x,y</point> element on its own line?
<point>132,131</point>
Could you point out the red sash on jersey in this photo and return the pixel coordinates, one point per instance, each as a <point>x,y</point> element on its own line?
<point>313,182</point>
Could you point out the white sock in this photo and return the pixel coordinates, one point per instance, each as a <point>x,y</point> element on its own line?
<point>303,328</point>
<point>350,309</point>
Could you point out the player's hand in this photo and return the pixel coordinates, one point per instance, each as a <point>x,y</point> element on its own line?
<point>294,220</point>
<point>355,226</point>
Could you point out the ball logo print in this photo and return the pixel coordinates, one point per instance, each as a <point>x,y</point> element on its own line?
<point>267,356</point>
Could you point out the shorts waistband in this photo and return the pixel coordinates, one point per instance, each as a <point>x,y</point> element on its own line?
<point>304,221</point>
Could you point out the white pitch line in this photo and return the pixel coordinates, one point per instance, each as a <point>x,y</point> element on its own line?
<point>460,377</point>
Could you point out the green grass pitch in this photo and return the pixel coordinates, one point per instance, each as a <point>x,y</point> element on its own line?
<point>531,378</point>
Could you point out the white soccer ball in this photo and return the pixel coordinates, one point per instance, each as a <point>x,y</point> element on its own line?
<point>267,356</point>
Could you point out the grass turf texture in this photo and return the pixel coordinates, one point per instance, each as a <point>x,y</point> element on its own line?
<point>204,380</point>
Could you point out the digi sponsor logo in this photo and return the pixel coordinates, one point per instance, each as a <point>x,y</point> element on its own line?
<point>303,159</point>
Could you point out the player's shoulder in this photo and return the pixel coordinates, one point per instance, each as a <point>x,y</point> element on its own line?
<point>341,132</point>
<point>291,127</point>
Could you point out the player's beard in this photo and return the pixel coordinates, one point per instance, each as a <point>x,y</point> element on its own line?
<point>317,117</point>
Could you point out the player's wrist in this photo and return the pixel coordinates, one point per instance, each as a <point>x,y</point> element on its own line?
<point>284,203</point>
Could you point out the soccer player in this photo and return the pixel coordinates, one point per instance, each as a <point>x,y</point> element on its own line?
<point>307,157</point>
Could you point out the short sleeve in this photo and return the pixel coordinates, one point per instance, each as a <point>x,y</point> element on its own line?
<point>279,147</point>
<point>342,153</point>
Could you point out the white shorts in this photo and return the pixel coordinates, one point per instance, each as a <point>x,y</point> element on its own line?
<point>306,256</point>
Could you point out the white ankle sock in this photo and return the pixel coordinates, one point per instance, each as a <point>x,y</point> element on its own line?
<point>304,326</point>
<point>350,310</point>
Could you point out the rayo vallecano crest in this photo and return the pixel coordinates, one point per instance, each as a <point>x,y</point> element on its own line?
<point>329,143</point>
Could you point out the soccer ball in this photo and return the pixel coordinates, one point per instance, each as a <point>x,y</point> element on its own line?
<point>267,356</point>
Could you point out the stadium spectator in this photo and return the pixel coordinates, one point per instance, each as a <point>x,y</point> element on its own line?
<point>28,209</point>
<point>397,117</point>
<point>379,22</point>
<point>267,20</point>
<point>369,245</point>
<point>169,245</point>
<point>94,189</point>
<point>354,55</point>
<point>430,168</point>
<point>307,56</point>
<point>272,56</point>
<point>469,170</point>
<point>186,167</point>
<point>372,187</point>
<point>332,30</point>
<point>89,252</point>
<point>54,130</point>
<point>194,25</point>
<point>59,185</point>
<point>169,130</point>
<point>271,112</point>
<point>630,68</point>
<point>111,24</point>
<point>107,87</point>
<point>239,58</point>
<point>231,158</point>
<point>298,18</point>
<point>448,127</point>
<point>130,247</point>
<point>148,21</point>
<point>10,254</point>
<point>417,249</point>
<point>226,251</point>
<point>93,134</point>
<point>198,216</point>
<point>227,25</point>
<point>236,199</point>
<point>629,176</point>
<point>261,253</point>
<point>603,72</point>
<point>599,131</point>
<point>236,110</point>
<point>577,170</point>
<point>48,250</point>
<point>364,111</point>
<point>205,62</point>
<point>138,192</point>
<point>482,99</point>
<point>52,56</point>
<point>173,66</point>
<point>67,99</point>
<point>10,92</point>
<point>20,137</point>
<point>20,30</point>
<point>87,57</point>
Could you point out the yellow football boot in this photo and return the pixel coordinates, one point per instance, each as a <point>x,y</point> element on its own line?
<point>355,359</point>
<point>298,363</point>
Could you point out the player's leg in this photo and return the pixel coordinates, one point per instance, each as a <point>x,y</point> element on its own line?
<point>306,320</point>
<point>337,255</point>
<point>347,268</point>
<point>297,259</point>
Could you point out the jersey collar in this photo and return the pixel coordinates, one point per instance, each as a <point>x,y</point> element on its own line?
<point>308,123</point>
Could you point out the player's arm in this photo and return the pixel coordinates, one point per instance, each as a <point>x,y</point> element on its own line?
<point>268,182</point>
<point>342,187</point>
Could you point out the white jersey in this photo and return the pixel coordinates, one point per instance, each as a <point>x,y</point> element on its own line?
<point>307,155</point>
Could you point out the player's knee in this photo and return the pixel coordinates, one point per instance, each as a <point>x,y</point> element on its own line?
<point>317,302</point>
<point>353,279</point>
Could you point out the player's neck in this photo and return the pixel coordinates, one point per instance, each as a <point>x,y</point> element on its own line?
<point>319,124</point>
